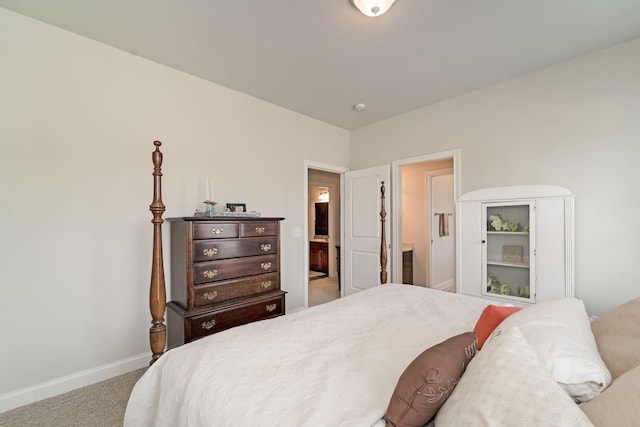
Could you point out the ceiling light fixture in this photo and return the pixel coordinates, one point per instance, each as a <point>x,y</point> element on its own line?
<point>373,7</point>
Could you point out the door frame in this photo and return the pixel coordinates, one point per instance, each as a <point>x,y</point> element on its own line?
<point>309,164</point>
<point>396,199</point>
<point>395,225</point>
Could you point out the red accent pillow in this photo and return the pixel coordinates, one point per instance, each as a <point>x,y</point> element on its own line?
<point>491,317</point>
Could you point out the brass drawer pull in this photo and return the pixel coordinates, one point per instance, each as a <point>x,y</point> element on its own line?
<point>266,284</point>
<point>210,274</point>
<point>210,252</point>
<point>265,247</point>
<point>271,307</point>
<point>260,230</point>
<point>217,231</point>
<point>210,295</point>
<point>208,325</point>
<point>265,266</point>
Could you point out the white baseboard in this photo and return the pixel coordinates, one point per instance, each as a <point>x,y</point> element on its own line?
<point>447,285</point>
<point>71,382</point>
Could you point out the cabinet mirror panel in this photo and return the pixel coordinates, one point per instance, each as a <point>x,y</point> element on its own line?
<point>508,252</point>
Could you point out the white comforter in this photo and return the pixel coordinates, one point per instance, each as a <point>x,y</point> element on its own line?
<point>336,364</point>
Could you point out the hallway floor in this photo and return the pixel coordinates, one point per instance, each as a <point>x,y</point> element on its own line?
<point>323,290</point>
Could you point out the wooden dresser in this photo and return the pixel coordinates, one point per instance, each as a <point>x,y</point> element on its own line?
<point>225,272</point>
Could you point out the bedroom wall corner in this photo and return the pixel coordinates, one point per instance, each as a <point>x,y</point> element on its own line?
<point>79,119</point>
<point>573,124</point>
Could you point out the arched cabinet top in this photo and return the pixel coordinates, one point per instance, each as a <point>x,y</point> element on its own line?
<point>515,192</point>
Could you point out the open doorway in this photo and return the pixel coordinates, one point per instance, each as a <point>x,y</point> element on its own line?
<point>426,189</point>
<point>319,174</point>
<point>323,235</point>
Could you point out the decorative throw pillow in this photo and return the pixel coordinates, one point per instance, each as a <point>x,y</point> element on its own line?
<point>559,331</point>
<point>489,319</point>
<point>506,385</point>
<point>428,381</point>
<point>619,404</point>
<point>617,334</point>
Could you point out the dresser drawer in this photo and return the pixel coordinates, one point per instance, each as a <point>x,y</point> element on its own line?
<point>256,229</point>
<point>211,271</point>
<point>206,324</point>
<point>206,250</point>
<point>215,230</point>
<point>208,294</point>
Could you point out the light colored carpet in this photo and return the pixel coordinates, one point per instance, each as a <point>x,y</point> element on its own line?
<point>323,290</point>
<point>103,404</point>
<point>314,275</point>
<point>98,405</point>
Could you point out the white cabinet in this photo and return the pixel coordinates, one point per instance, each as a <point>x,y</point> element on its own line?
<point>515,244</point>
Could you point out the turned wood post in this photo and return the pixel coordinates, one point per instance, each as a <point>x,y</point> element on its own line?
<point>383,242</point>
<point>157,295</point>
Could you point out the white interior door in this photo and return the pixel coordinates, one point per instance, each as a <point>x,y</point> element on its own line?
<point>443,256</point>
<point>362,228</point>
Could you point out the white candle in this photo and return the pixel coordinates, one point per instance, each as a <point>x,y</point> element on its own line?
<point>208,191</point>
<point>212,197</point>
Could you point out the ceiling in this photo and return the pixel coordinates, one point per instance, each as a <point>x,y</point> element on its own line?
<point>321,57</point>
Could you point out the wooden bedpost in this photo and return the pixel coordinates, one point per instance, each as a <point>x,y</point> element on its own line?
<point>383,240</point>
<point>157,295</point>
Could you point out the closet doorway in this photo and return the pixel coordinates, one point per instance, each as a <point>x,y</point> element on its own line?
<point>323,235</point>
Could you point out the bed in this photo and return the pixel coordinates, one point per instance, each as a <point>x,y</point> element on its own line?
<point>395,355</point>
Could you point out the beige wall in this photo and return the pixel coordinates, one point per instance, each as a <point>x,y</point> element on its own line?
<point>576,125</point>
<point>78,121</point>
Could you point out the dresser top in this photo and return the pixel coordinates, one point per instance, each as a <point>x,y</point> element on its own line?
<point>225,218</point>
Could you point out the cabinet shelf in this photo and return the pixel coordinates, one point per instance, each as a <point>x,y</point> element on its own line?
<point>508,297</point>
<point>508,264</point>
<point>514,233</point>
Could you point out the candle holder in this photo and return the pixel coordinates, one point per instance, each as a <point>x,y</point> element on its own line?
<point>210,209</point>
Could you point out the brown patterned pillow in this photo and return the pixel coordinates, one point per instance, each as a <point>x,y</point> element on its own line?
<point>429,380</point>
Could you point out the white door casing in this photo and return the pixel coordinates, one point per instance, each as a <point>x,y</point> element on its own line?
<point>442,265</point>
<point>362,227</point>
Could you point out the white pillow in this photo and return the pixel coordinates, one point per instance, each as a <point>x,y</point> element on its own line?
<point>506,385</point>
<point>560,333</point>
